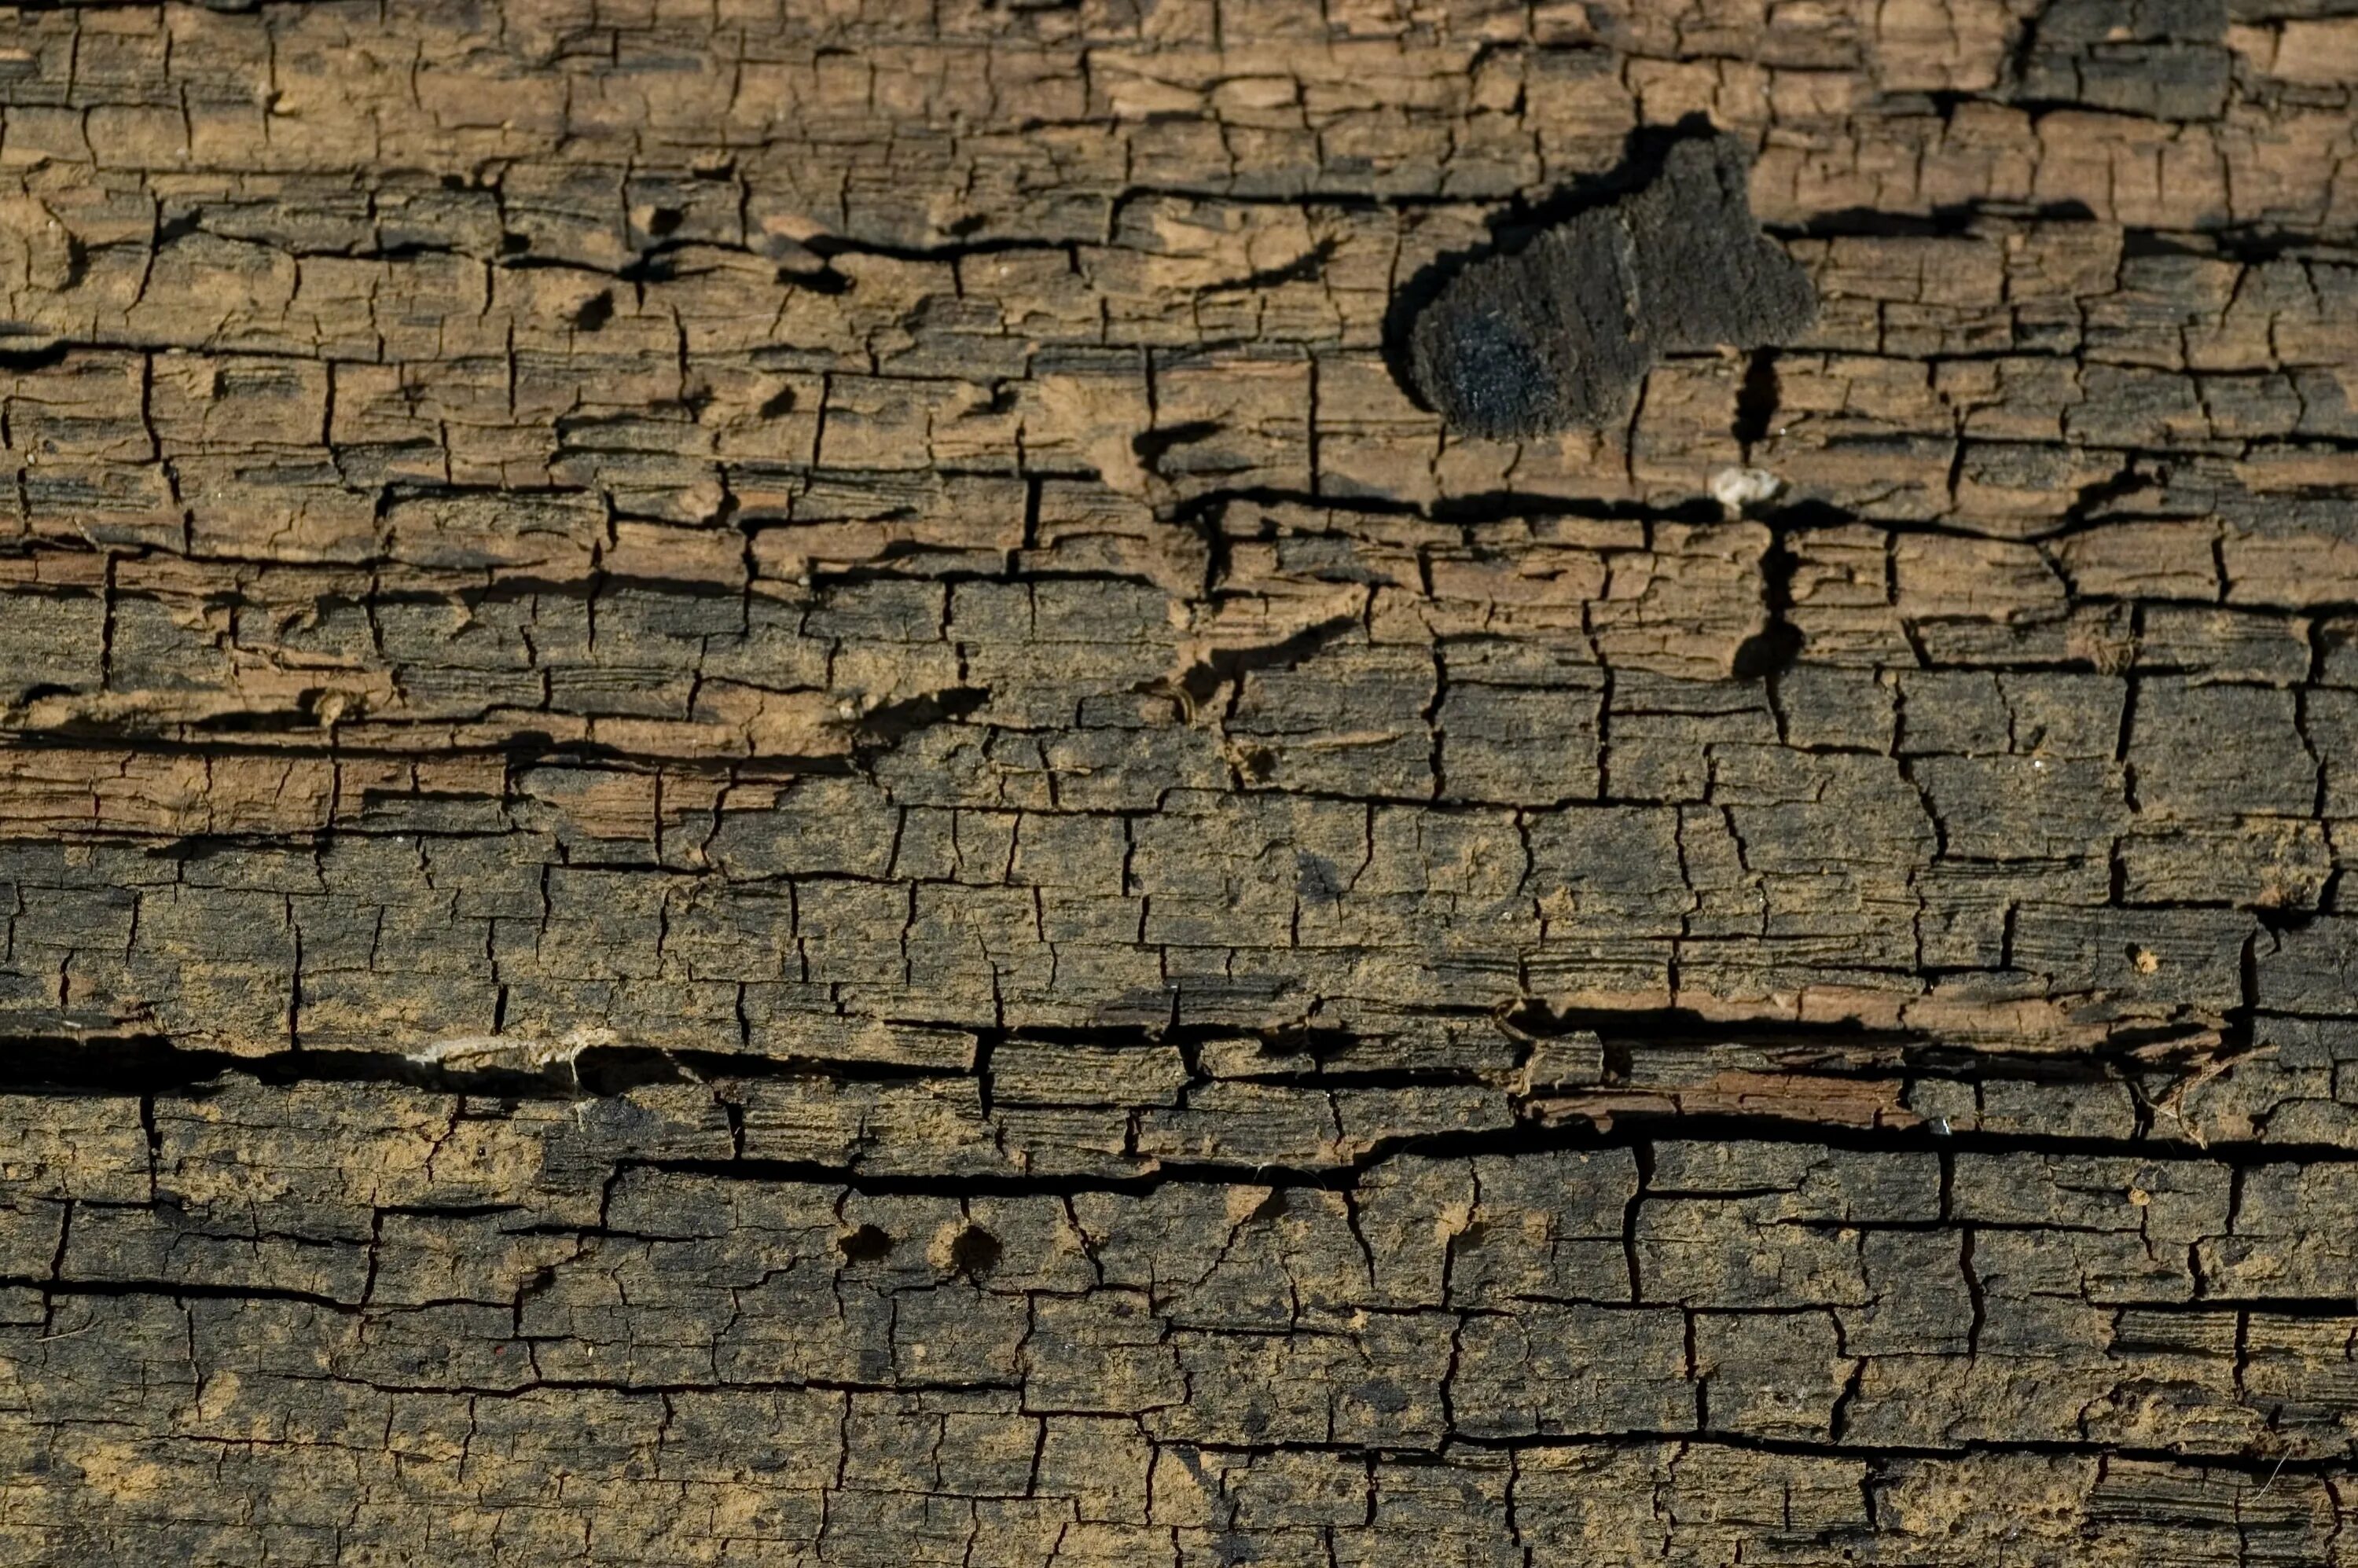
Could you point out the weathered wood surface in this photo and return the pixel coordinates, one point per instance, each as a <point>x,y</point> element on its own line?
<point>760,802</point>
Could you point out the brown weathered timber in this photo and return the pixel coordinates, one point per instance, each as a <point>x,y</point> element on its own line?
<point>761,801</point>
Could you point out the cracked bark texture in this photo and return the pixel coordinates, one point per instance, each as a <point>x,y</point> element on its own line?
<point>760,802</point>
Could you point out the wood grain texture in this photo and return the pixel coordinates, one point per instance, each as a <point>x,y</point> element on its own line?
<point>762,802</point>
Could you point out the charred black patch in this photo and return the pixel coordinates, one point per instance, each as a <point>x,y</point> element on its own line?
<point>1558,331</point>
